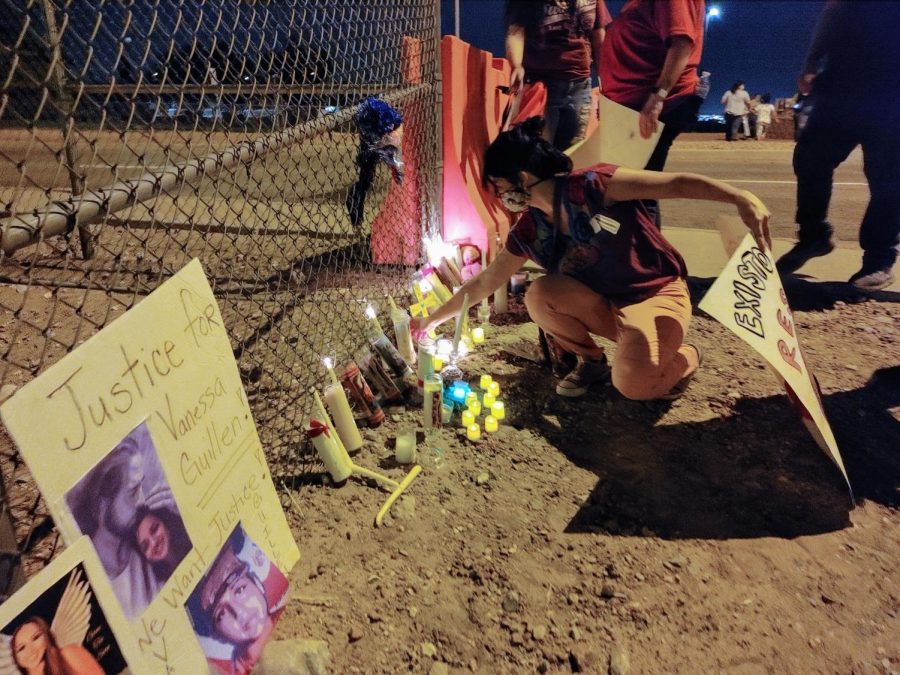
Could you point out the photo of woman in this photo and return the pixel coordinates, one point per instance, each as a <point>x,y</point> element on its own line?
<point>160,539</point>
<point>36,652</point>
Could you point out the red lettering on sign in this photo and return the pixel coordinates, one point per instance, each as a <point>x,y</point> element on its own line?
<point>789,355</point>
<point>785,322</point>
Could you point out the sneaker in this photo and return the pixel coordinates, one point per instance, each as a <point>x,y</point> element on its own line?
<point>681,386</point>
<point>871,278</point>
<point>804,251</point>
<point>585,374</point>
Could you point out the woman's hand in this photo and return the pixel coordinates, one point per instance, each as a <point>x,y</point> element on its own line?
<point>419,327</point>
<point>756,217</point>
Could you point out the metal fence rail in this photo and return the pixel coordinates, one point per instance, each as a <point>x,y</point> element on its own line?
<point>136,135</point>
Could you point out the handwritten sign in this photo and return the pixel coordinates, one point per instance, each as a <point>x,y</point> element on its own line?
<point>71,600</point>
<point>142,433</point>
<point>748,299</point>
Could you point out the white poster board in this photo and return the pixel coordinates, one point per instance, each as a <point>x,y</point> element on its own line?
<point>748,299</point>
<point>616,140</point>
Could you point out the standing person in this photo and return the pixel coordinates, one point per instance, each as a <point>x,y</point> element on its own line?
<point>649,63</point>
<point>610,271</point>
<point>555,42</point>
<point>765,115</point>
<point>851,73</point>
<point>736,101</point>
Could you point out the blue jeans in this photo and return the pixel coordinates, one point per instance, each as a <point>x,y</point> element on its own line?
<point>568,110</point>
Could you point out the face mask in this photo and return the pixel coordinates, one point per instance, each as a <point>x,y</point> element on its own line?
<point>516,200</point>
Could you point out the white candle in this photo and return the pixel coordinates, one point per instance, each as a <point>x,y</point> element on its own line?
<point>459,322</point>
<point>327,419</point>
<point>329,366</point>
<point>405,447</point>
<point>334,458</point>
<point>337,403</point>
<point>500,300</point>
<point>373,326</point>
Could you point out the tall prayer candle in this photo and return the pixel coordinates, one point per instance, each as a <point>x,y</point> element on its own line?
<point>333,457</point>
<point>459,322</point>
<point>341,413</point>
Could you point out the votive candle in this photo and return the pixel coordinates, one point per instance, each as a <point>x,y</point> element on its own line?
<point>473,432</point>
<point>478,336</point>
<point>468,418</point>
<point>498,410</point>
<point>488,400</point>
<point>490,424</point>
<point>471,398</point>
<point>475,408</point>
<point>494,388</point>
<point>485,381</point>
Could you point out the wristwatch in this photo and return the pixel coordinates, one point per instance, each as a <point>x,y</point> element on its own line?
<point>662,93</point>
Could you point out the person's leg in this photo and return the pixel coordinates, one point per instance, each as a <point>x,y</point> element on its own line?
<point>879,235</point>
<point>729,126</point>
<point>570,311</point>
<point>651,357</point>
<point>825,141</point>
<point>555,101</point>
<point>735,125</point>
<point>676,120</point>
<point>574,104</point>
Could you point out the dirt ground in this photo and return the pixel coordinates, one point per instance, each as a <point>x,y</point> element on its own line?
<point>706,536</point>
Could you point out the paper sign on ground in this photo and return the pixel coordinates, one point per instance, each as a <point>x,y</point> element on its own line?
<point>616,140</point>
<point>67,615</point>
<point>143,439</point>
<point>748,299</point>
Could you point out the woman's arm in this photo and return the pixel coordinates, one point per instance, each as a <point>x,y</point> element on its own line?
<point>504,266</point>
<point>629,184</point>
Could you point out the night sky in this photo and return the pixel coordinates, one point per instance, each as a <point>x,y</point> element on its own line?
<point>762,42</point>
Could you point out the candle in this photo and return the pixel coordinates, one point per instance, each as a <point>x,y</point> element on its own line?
<point>471,397</point>
<point>327,420</point>
<point>335,459</point>
<point>478,336</point>
<point>405,446</point>
<point>438,363</point>
<point>500,300</point>
<point>459,322</point>
<point>485,381</point>
<point>458,394</point>
<point>494,388</point>
<point>475,407</point>
<point>488,400</point>
<point>329,366</point>
<point>434,400</point>
<point>342,414</point>
<point>468,418</point>
<point>473,432</point>
<point>498,410</point>
<point>444,349</point>
<point>490,424</point>
<point>446,413</point>
<point>373,326</point>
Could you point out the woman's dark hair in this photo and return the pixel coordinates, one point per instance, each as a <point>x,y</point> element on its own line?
<point>179,541</point>
<point>737,85</point>
<point>53,662</point>
<point>766,98</point>
<point>523,149</point>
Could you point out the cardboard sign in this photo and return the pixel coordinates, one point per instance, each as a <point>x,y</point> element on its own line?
<point>142,439</point>
<point>67,615</point>
<point>616,140</point>
<point>748,299</point>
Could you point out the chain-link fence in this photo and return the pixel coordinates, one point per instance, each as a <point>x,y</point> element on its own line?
<point>136,135</point>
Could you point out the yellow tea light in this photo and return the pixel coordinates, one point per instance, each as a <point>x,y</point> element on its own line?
<point>488,400</point>
<point>498,410</point>
<point>485,381</point>
<point>478,336</point>
<point>473,432</point>
<point>471,398</point>
<point>468,418</point>
<point>494,388</point>
<point>475,407</point>
<point>490,424</point>
<point>438,363</point>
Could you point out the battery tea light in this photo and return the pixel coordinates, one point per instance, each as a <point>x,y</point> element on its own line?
<point>488,400</point>
<point>468,418</point>
<point>473,432</point>
<point>494,388</point>
<point>478,336</point>
<point>475,408</point>
<point>485,381</point>
<point>490,424</point>
<point>498,410</point>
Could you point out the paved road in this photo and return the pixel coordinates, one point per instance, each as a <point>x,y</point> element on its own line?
<point>764,168</point>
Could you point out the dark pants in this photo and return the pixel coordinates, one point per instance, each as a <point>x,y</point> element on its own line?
<point>830,135</point>
<point>678,119</point>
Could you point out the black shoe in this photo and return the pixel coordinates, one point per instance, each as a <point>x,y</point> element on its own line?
<point>803,252</point>
<point>873,278</point>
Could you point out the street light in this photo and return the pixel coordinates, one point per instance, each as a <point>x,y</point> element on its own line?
<point>712,13</point>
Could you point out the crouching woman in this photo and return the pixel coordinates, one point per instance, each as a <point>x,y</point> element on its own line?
<point>610,272</point>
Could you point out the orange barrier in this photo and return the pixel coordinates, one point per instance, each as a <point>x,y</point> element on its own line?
<point>472,110</point>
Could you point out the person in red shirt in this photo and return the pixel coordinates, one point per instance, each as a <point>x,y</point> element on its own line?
<point>610,271</point>
<point>554,42</point>
<point>649,63</point>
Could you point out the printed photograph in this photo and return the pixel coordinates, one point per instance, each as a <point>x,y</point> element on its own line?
<point>236,605</point>
<point>125,506</point>
<point>63,632</point>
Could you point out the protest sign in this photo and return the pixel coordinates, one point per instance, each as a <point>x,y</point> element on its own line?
<point>748,299</point>
<point>143,439</point>
<point>67,616</point>
<point>616,140</point>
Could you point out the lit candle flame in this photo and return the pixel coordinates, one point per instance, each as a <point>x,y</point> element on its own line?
<point>329,362</point>
<point>370,312</point>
